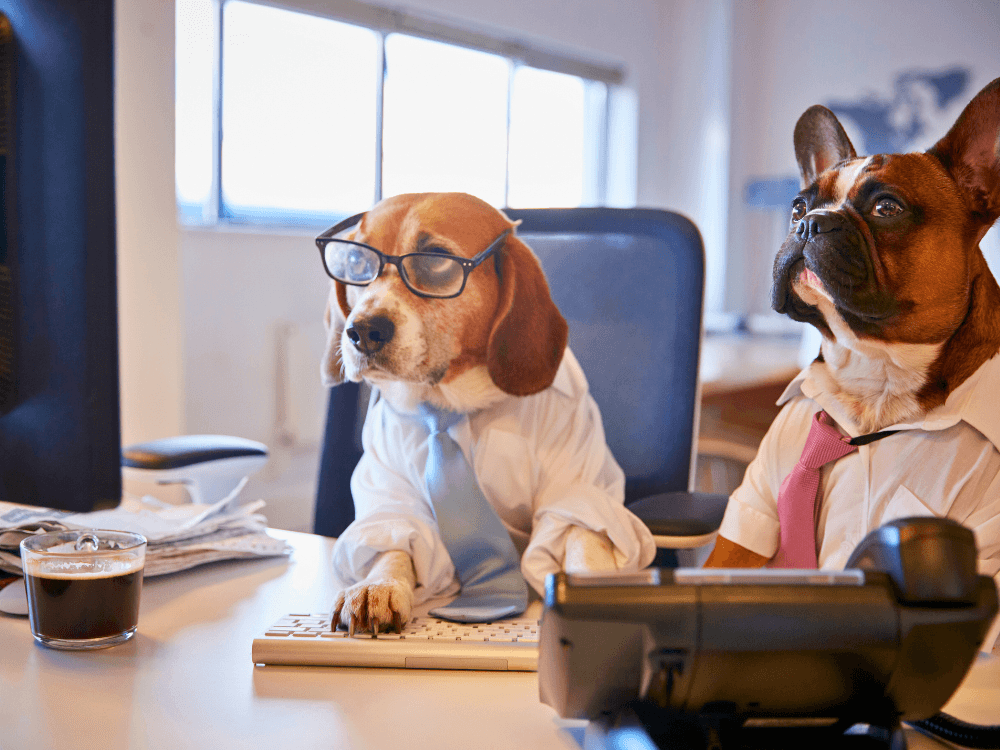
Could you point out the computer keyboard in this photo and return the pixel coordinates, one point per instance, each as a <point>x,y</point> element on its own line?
<point>425,643</point>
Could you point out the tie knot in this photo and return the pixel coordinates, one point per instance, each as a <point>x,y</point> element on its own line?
<point>825,443</point>
<point>439,420</point>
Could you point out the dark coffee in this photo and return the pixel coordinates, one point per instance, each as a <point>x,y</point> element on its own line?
<point>83,607</point>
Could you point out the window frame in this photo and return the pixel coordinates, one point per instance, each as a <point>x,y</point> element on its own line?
<point>383,22</point>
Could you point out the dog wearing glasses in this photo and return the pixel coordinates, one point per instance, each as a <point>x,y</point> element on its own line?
<point>435,300</point>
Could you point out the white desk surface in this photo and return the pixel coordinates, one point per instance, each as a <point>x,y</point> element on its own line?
<point>186,681</point>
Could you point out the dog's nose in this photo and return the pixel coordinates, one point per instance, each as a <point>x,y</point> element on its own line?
<point>370,334</point>
<point>813,225</point>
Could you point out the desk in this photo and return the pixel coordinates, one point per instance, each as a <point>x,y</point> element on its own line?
<point>185,680</point>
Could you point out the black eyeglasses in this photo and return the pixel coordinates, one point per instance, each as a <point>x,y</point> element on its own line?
<point>430,273</point>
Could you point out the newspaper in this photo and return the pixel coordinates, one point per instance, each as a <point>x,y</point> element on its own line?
<point>179,536</point>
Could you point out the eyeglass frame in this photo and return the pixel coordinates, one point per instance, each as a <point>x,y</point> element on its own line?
<point>468,264</point>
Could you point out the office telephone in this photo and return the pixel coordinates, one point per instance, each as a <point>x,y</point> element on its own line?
<point>773,658</point>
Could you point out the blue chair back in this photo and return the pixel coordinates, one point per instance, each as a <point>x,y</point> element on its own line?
<point>630,284</point>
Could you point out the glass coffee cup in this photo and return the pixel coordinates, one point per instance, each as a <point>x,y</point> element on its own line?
<point>83,587</point>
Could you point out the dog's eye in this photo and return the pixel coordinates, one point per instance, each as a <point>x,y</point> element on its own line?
<point>887,208</point>
<point>799,209</point>
<point>437,274</point>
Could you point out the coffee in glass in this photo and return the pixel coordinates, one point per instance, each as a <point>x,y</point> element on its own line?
<point>83,587</point>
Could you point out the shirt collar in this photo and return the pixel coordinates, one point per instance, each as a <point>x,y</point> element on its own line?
<point>974,402</point>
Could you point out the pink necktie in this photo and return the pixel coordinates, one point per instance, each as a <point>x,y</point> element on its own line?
<point>797,497</point>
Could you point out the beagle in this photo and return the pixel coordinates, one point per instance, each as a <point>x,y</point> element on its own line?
<point>465,336</point>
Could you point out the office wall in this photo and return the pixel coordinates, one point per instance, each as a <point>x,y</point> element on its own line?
<point>149,289</point>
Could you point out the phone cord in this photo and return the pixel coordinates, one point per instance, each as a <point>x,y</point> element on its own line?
<point>961,732</point>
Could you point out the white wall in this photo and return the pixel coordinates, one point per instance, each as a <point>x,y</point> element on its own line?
<point>149,299</point>
<point>253,306</point>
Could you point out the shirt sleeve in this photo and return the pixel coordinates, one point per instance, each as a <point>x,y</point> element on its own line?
<point>579,484</point>
<point>985,524</point>
<point>391,512</point>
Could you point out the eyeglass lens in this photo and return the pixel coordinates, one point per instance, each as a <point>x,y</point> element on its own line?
<point>353,264</point>
<point>350,263</point>
<point>434,274</point>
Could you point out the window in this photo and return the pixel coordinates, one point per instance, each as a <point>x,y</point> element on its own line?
<point>298,112</point>
<point>445,119</point>
<point>552,140</point>
<point>286,117</point>
<point>193,106</point>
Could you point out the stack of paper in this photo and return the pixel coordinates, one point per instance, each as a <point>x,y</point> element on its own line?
<point>178,536</point>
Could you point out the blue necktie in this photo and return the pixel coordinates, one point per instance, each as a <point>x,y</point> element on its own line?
<point>484,556</point>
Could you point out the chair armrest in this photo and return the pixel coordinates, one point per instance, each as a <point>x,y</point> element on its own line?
<point>185,450</point>
<point>209,466</point>
<point>681,519</point>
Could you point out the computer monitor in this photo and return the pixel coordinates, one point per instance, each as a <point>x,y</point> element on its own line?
<point>60,435</point>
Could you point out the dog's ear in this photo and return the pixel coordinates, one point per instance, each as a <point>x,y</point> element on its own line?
<point>529,333</point>
<point>971,153</point>
<point>335,317</point>
<point>820,142</point>
<point>331,369</point>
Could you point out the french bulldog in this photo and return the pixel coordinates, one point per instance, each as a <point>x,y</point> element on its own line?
<point>883,258</point>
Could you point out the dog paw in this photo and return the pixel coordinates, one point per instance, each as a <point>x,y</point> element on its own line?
<point>374,606</point>
<point>588,552</point>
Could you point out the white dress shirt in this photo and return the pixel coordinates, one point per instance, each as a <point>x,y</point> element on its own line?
<point>542,463</point>
<point>945,465</point>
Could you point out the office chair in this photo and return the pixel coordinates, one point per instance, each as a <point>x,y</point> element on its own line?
<point>630,284</point>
